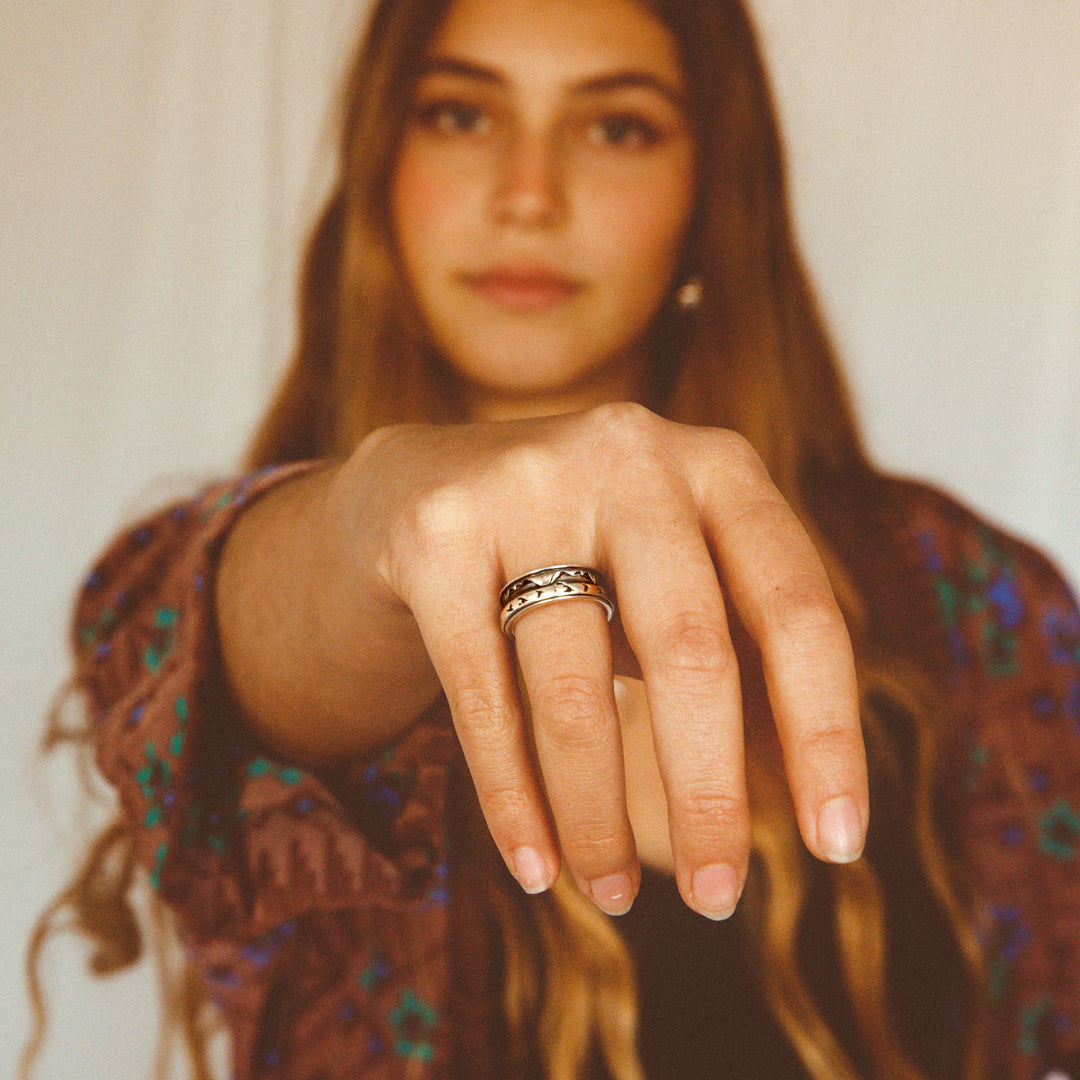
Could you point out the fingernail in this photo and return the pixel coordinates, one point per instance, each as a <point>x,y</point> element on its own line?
<point>840,830</point>
<point>530,870</point>
<point>613,894</point>
<point>715,891</point>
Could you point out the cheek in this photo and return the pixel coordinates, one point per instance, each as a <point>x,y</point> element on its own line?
<point>641,227</point>
<point>425,203</point>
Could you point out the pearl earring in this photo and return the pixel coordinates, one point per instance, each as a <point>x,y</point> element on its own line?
<point>688,296</point>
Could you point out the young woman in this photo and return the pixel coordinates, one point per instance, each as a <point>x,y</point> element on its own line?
<point>556,338</point>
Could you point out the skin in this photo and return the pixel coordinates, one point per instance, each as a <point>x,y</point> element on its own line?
<point>548,140</point>
<point>516,161</point>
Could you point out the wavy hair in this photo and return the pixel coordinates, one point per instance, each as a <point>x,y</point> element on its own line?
<point>754,357</point>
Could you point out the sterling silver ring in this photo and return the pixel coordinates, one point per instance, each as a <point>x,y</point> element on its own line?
<point>548,584</point>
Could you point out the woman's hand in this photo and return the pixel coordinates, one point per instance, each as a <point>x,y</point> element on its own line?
<point>680,519</point>
<point>398,557</point>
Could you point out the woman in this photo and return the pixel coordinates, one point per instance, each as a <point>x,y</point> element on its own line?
<point>551,306</point>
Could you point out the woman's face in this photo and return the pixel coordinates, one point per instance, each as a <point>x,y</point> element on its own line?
<point>541,195</point>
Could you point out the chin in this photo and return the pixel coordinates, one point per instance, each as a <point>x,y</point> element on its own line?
<point>526,375</point>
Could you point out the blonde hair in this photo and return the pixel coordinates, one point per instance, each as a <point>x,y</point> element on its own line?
<point>754,357</point>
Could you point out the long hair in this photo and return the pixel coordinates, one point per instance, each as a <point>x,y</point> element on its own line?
<point>754,357</point>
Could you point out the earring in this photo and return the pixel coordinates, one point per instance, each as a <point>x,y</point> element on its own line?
<point>688,295</point>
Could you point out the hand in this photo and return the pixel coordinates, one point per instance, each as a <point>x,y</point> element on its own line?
<point>680,520</point>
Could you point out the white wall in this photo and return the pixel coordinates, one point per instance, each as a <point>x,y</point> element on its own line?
<point>936,147</point>
<point>158,169</point>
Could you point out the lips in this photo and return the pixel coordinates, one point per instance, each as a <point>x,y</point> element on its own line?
<point>523,289</point>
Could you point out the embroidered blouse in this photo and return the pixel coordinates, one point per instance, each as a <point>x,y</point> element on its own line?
<point>321,909</point>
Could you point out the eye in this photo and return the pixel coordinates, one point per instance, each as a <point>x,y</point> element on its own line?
<point>626,131</point>
<point>452,117</point>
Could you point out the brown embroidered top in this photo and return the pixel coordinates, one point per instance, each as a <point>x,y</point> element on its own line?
<point>323,913</point>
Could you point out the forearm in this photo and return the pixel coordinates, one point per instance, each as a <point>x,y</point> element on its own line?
<point>321,663</point>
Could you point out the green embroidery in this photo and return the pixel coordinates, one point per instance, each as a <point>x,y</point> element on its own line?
<point>154,774</point>
<point>91,634</point>
<point>992,558</point>
<point>165,620</point>
<point>159,863</point>
<point>972,594</point>
<point>260,766</point>
<point>949,599</point>
<point>413,1014</point>
<point>1058,830</point>
<point>166,617</point>
<point>1030,1020</point>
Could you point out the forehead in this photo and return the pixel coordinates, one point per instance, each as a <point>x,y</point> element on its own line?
<point>559,40</point>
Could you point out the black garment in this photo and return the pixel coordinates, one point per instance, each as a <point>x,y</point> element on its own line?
<point>702,1015</point>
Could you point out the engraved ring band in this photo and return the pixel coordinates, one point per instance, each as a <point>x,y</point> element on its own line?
<point>549,584</point>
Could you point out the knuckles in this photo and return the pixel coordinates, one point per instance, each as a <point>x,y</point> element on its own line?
<point>737,453</point>
<point>709,812</point>
<point>692,644</point>
<point>803,605</point>
<point>628,439</point>
<point>481,715</point>
<point>727,467</point>
<point>571,708</point>
<point>509,805</point>
<point>432,533</point>
<point>438,516</point>
<point>594,846</point>
<point>834,745</point>
<point>625,421</point>
<point>519,479</point>
<point>595,453</point>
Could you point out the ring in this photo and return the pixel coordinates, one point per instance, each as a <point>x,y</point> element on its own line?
<point>548,584</point>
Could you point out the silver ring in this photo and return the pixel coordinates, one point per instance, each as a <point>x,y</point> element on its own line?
<point>548,584</point>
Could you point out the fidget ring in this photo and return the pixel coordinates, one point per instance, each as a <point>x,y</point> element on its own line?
<point>549,584</point>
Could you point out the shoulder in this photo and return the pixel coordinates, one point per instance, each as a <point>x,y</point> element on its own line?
<point>1000,608</point>
<point>1009,632</point>
<point>946,529</point>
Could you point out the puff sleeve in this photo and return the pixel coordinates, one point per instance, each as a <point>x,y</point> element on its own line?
<point>1013,630</point>
<point>313,906</point>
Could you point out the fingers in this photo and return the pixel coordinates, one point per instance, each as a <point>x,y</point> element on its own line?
<point>477,672</point>
<point>673,614</point>
<point>776,581</point>
<point>688,522</point>
<point>565,657</point>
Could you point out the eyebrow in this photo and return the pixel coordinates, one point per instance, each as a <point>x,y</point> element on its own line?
<point>597,84</point>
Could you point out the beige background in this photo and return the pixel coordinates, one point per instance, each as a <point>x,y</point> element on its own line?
<point>159,164</point>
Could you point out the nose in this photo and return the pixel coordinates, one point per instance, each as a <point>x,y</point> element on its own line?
<point>530,192</point>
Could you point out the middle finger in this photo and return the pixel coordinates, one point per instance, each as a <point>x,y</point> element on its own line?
<point>564,652</point>
<point>674,617</point>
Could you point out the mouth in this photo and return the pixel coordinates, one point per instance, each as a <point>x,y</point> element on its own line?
<point>523,289</point>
